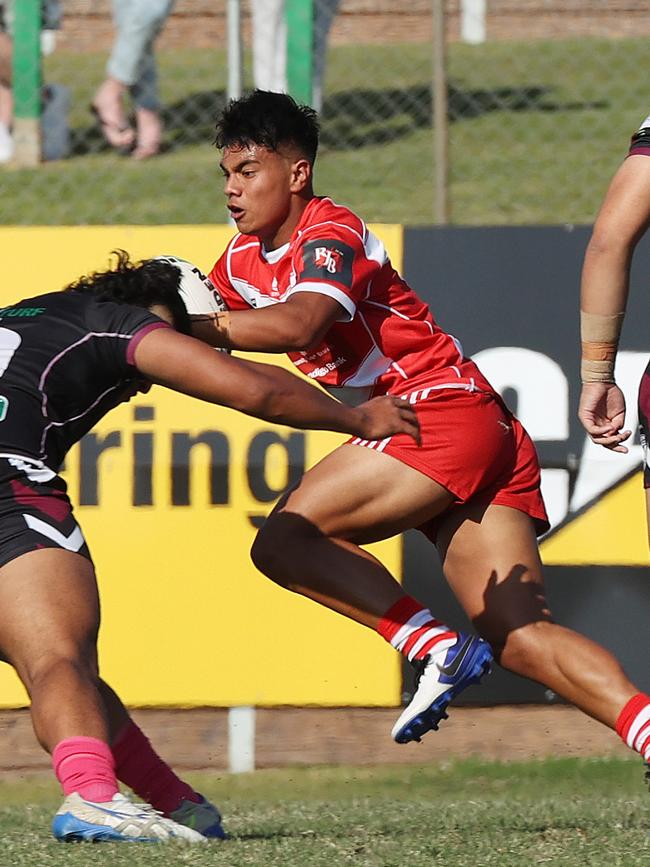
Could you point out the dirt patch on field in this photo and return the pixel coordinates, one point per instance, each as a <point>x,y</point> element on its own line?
<point>198,738</point>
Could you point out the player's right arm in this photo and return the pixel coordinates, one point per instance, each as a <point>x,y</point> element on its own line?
<point>322,295</point>
<point>299,322</point>
<point>294,325</point>
<point>623,219</point>
<point>186,365</point>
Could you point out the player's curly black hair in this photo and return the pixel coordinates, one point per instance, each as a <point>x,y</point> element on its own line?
<point>271,120</point>
<point>141,284</point>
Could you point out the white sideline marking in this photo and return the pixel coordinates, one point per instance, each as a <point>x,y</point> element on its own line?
<point>241,739</point>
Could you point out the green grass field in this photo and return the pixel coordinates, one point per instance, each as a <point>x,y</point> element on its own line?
<point>567,813</point>
<point>537,129</point>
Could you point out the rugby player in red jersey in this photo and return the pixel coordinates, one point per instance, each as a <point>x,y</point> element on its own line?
<point>66,359</point>
<point>322,288</point>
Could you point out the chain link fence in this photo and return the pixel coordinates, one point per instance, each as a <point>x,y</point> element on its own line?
<point>542,96</point>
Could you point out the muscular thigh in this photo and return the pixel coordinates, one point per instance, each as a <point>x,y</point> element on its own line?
<point>367,491</point>
<point>363,495</point>
<point>491,560</point>
<point>48,602</point>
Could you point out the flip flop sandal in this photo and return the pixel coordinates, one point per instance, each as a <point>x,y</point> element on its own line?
<point>110,130</point>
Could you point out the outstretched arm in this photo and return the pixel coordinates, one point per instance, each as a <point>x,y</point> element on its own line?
<point>621,222</point>
<point>186,365</point>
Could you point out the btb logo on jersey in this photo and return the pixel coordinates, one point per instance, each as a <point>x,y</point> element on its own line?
<point>328,258</point>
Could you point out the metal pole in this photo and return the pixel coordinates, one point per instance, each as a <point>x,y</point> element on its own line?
<point>26,82</point>
<point>440,116</point>
<point>235,52</point>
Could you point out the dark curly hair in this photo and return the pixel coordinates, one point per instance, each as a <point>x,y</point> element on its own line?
<point>141,284</point>
<point>271,120</point>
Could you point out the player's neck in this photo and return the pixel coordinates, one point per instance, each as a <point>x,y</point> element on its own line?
<point>283,234</point>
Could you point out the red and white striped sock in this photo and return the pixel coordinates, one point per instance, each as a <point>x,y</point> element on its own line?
<point>633,724</point>
<point>413,630</point>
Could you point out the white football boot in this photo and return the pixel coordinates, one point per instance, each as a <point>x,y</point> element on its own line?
<point>440,678</point>
<point>119,819</point>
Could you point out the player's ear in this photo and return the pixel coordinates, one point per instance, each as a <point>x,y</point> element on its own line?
<point>300,175</point>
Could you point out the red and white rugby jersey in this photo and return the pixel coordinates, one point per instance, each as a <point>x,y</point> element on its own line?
<point>386,338</point>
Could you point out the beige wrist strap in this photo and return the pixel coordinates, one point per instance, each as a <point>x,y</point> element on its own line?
<point>600,335</point>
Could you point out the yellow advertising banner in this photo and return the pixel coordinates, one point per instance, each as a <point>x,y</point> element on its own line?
<point>168,492</point>
<point>611,531</point>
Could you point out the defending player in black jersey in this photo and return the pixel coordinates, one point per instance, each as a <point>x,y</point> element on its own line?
<point>67,358</point>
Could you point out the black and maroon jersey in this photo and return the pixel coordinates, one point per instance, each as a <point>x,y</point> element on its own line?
<point>386,338</point>
<point>65,361</point>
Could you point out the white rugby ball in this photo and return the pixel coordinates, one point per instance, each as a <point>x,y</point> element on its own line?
<point>198,292</point>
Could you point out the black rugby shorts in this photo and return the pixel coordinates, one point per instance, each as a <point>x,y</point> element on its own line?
<point>35,511</point>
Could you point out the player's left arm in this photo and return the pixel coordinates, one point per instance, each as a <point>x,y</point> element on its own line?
<point>265,391</point>
<point>623,219</point>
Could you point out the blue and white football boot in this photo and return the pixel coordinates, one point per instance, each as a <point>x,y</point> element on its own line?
<point>440,678</point>
<point>120,820</point>
<point>201,816</point>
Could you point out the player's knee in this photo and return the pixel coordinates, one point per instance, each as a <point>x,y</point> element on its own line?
<point>268,551</point>
<point>525,649</point>
<point>58,668</point>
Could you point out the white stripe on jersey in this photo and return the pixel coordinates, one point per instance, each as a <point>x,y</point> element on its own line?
<point>372,246</point>
<point>331,291</point>
<point>35,470</point>
<point>370,369</point>
<point>395,312</point>
<point>416,396</point>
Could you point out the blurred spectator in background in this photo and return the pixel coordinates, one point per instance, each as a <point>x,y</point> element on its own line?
<point>6,100</point>
<point>270,45</point>
<point>132,67</point>
<point>50,22</point>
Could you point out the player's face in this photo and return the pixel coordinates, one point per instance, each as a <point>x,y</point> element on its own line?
<point>262,188</point>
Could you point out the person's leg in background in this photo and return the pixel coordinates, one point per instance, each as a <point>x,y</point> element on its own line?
<point>108,102</point>
<point>324,12</point>
<point>144,90</point>
<point>131,68</point>
<point>269,45</point>
<point>6,98</point>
